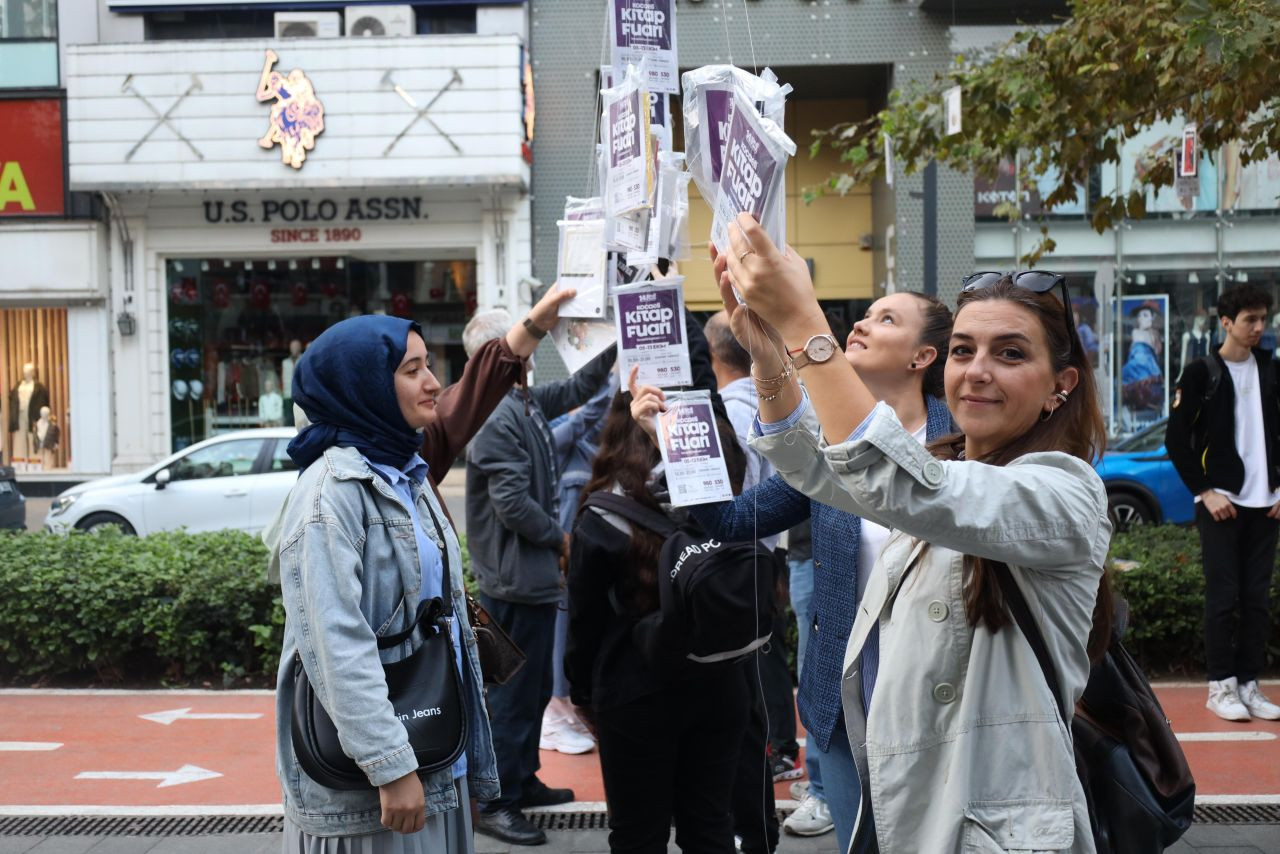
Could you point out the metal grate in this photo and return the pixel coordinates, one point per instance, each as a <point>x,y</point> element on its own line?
<point>115,825</point>
<point>1237,814</point>
<point>570,820</point>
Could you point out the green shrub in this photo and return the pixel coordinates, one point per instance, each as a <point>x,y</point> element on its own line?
<point>1156,568</point>
<point>171,606</point>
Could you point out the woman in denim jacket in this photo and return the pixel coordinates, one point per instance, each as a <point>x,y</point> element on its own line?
<point>960,744</point>
<point>357,551</point>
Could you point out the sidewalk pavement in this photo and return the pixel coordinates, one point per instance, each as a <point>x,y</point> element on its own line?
<point>1220,839</point>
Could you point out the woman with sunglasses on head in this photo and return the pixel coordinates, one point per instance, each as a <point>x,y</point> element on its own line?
<point>899,350</point>
<point>363,542</point>
<point>959,741</point>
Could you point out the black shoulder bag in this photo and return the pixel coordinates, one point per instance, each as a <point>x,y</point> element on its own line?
<point>1136,779</point>
<point>425,689</point>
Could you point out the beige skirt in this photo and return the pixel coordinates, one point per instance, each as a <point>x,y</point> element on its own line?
<point>445,833</point>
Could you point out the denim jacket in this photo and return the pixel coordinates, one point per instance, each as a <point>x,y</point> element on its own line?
<point>349,571</point>
<point>963,748</point>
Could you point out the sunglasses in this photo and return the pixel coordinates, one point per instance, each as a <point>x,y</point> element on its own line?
<point>1036,281</point>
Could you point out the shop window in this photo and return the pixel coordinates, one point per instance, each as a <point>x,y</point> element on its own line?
<point>238,327</point>
<point>28,19</point>
<point>37,401</point>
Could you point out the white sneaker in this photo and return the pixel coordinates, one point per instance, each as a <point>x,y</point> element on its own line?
<point>559,736</point>
<point>1224,701</point>
<point>811,818</point>
<point>1252,698</point>
<point>800,790</point>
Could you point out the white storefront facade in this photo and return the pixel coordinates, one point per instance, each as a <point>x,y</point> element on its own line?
<point>229,260</point>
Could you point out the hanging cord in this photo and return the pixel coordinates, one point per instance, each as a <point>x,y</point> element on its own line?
<point>746,10</point>
<point>728,47</point>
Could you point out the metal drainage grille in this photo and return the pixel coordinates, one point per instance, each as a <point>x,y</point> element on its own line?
<point>110,825</point>
<point>1237,814</point>
<point>570,820</point>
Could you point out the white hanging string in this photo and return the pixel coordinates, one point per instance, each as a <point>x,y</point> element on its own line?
<point>593,170</point>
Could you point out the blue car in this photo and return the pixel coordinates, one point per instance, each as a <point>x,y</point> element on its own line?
<point>1143,487</point>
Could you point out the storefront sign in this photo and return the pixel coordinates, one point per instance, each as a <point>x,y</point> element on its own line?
<point>350,210</point>
<point>297,116</point>
<point>31,158</point>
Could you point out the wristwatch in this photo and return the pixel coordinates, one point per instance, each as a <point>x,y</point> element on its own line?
<point>818,349</point>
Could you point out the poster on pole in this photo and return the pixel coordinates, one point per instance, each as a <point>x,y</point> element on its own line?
<point>651,334</point>
<point>691,451</point>
<point>1144,373</point>
<point>646,30</point>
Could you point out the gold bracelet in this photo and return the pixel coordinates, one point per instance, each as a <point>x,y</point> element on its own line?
<point>774,382</point>
<point>769,397</point>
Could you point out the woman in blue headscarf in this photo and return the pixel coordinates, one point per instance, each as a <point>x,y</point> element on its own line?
<point>360,545</point>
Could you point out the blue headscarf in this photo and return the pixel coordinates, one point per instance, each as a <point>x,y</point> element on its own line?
<point>345,382</point>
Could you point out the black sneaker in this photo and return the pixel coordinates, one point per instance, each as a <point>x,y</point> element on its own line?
<point>542,795</point>
<point>783,767</point>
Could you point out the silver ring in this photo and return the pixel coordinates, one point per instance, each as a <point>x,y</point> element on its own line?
<point>745,253</point>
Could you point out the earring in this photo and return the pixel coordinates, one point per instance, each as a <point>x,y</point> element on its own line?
<point>1062,399</point>
<point>913,365</point>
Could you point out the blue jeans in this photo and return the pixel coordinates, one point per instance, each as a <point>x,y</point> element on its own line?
<point>559,682</point>
<point>801,597</point>
<point>841,776</point>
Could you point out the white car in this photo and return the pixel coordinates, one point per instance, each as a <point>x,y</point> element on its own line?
<point>234,480</point>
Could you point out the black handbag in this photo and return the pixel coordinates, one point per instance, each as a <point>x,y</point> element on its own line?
<point>425,689</point>
<point>500,658</point>
<point>1136,779</point>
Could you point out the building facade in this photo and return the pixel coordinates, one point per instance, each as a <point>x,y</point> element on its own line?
<point>260,171</point>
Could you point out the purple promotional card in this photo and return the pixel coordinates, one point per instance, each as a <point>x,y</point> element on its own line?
<point>751,178</point>
<point>719,107</point>
<point>645,31</point>
<point>695,466</point>
<point>651,333</point>
<point>624,130</point>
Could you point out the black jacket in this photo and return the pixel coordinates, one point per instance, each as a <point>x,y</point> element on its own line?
<point>513,485</point>
<point>1200,436</point>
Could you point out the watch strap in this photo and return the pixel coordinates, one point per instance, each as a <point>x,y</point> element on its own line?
<point>534,329</point>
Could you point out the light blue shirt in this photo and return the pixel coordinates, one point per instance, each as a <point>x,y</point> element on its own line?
<point>401,482</point>
<point>768,428</point>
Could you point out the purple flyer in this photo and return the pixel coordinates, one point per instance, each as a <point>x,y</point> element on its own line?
<point>650,319</point>
<point>690,434</point>
<point>624,130</point>
<point>643,23</point>
<point>748,168</point>
<point>719,106</point>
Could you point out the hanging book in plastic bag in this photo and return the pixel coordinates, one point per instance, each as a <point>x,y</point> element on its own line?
<point>691,452</point>
<point>651,333</point>
<point>582,266</point>
<point>578,340</point>
<point>751,181</point>
<point>628,146</point>
<point>645,30</point>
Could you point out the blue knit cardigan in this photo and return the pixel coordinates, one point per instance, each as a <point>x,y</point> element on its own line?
<point>774,506</point>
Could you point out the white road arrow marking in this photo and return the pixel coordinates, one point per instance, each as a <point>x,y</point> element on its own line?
<point>172,715</point>
<point>185,774</point>
<point>30,745</point>
<point>1226,736</point>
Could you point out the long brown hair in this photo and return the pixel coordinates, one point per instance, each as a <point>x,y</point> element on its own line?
<point>935,333</point>
<point>626,457</point>
<point>1075,427</point>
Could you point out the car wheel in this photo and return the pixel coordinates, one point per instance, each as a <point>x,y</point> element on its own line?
<point>98,521</point>
<point>1127,510</point>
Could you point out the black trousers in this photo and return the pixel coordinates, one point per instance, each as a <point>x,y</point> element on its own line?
<point>755,816</point>
<point>779,694</point>
<point>1239,557</point>
<point>674,755</point>
<point>515,709</point>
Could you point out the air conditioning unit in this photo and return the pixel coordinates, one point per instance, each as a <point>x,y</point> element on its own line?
<point>379,21</point>
<point>308,25</point>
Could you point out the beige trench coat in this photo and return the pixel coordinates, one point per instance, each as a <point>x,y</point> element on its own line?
<point>962,749</point>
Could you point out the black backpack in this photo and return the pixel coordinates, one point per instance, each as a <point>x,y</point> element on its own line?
<point>716,600</point>
<point>1136,779</point>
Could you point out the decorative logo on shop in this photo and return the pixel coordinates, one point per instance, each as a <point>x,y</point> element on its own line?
<point>297,116</point>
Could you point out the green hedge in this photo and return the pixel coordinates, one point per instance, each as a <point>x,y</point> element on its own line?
<point>174,607</point>
<point>1157,569</point>
<point>180,608</point>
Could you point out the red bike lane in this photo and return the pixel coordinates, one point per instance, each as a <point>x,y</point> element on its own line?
<point>214,752</point>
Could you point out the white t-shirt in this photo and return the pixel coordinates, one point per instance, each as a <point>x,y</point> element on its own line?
<point>1250,437</point>
<point>873,537</point>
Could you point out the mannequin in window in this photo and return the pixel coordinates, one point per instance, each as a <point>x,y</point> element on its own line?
<point>270,403</point>
<point>286,377</point>
<point>1196,340</point>
<point>48,434</point>
<point>25,402</point>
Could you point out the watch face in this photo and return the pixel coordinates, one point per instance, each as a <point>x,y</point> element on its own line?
<point>819,349</point>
